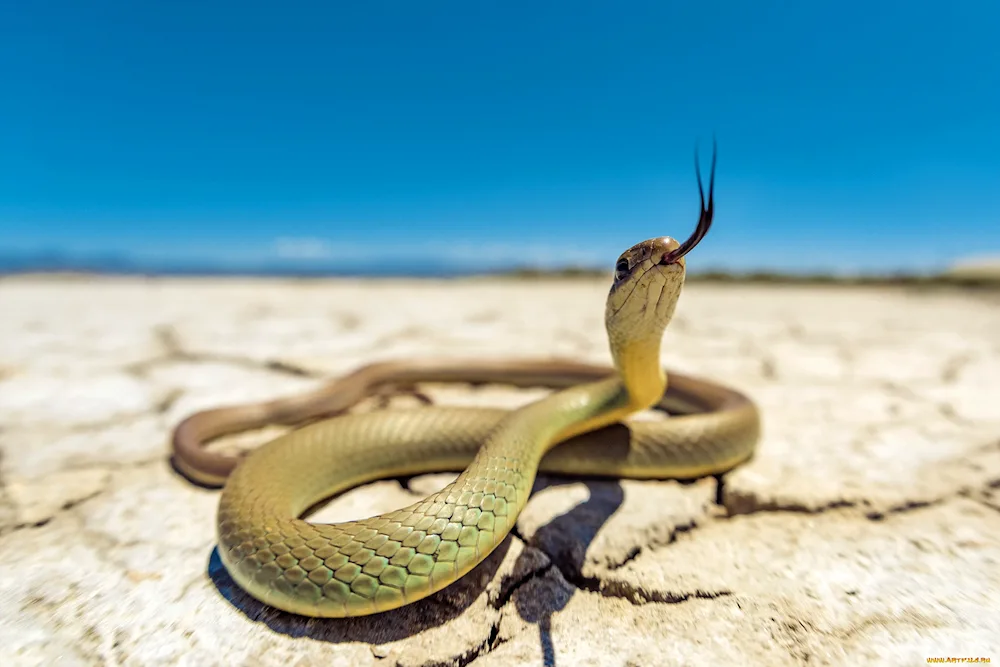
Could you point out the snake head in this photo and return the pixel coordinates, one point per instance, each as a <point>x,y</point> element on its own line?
<point>665,251</point>
<point>643,256</point>
<point>652,272</point>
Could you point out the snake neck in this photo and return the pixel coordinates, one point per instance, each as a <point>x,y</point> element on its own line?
<point>641,383</point>
<point>642,375</point>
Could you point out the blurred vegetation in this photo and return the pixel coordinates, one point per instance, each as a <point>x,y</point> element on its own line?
<point>896,279</point>
<point>965,279</point>
<point>987,278</point>
<point>567,272</point>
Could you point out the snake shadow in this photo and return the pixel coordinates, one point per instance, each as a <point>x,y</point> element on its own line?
<point>565,540</point>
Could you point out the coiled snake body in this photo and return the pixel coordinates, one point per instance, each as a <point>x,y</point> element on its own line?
<point>386,561</point>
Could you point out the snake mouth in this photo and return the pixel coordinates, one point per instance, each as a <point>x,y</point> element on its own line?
<point>707,213</point>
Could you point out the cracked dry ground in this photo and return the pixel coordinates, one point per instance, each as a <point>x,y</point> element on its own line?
<point>865,531</point>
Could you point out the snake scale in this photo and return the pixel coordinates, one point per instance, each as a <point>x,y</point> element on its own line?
<point>386,561</point>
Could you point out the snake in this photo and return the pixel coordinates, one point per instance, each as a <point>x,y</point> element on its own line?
<point>588,425</point>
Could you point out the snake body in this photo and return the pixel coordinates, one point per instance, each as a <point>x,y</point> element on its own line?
<point>383,562</point>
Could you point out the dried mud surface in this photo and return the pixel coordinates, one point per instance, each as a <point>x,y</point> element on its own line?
<point>865,531</point>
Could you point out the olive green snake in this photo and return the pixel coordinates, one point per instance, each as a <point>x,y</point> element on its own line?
<point>386,561</point>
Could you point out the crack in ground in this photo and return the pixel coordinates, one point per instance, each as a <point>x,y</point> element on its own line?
<point>139,369</point>
<point>720,490</point>
<point>907,506</point>
<point>168,401</point>
<point>8,509</point>
<point>985,495</point>
<point>743,504</point>
<point>166,336</point>
<point>986,502</point>
<point>653,544</point>
<point>638,595</point>
<point>65,507</point>
<point>943,408</point>
<point>466,658</point>
<point>173,352</point>
<point>738,503</point>
<point>116,466</point>
<point>103,544</point>
<point>506,596</point>
<point>493,640</point>
<point>954,366</point>
<point>72,504</point>
<point>121,419</point>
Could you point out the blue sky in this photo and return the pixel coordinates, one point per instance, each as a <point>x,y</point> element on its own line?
<point>851,135</point>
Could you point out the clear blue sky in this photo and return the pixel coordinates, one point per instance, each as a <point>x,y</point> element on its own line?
<point>851,134</point>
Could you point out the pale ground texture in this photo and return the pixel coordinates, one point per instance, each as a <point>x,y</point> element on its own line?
<point>865,531</point>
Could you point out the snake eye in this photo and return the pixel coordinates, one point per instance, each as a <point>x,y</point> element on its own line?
<point>621,269</point>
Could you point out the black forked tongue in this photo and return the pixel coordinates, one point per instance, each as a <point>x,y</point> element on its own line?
<point>705,221</point>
